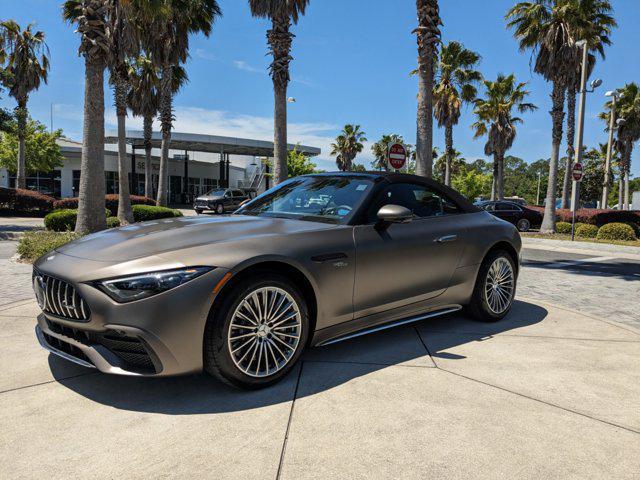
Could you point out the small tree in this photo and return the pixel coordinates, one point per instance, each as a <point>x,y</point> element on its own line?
<point>42,153</point>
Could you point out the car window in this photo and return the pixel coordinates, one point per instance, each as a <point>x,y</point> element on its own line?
<point>238,193</point>
<point>489,207</point>
<point>421,200</point>
<point>506,207</point>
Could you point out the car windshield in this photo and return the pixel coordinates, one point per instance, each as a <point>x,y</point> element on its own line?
<point>216,192</point>
<point>320,199</point>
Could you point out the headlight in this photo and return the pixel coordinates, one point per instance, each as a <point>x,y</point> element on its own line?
<point>137,287</point>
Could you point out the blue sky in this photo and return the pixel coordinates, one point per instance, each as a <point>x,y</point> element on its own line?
<point>352,64</point>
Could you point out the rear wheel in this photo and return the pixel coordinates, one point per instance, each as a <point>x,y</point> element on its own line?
<point>523,225</point>
<point>198,211</point>
<point>257,333</point>
<point>220,209</point>
<point>495,287</point>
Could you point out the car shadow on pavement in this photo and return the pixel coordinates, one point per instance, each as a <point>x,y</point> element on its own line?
<point>200,394</point>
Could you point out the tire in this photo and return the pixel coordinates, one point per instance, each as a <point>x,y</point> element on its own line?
<point>198,212</point>
<point>219,209</point>
<point>484,303</point>
<point>523,225</point>
<point>228,360</point>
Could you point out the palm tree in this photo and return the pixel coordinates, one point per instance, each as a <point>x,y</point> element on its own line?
<point>167,42</point>
<point>545,27</point>
<point>455,84</point>
<point>591,21</point>
<point>26,55</point>
<point>281,13</point>
<point>428,37</point>
<point>496,120</point>
<point>451,162</point>
<point>142,99</point>
<point>90,16</point>
<point>627,108</point>
<point>379,150</point>
<point>347,145</point>
<point>125,44</point>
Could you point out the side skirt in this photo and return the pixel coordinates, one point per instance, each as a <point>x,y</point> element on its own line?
<point>392,324</point>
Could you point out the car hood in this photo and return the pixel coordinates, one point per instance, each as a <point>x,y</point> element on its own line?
<point>159,236</point>
<point>208,198</point>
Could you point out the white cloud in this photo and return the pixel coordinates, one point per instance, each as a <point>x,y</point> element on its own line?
<point>204,54</point>
<point>242,65</point>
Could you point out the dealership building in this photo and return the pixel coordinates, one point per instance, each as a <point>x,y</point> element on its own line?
<point>197,164</point>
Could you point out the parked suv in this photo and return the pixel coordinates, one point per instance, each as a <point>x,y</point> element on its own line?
<point>220,200</point>
<point>522,217</point>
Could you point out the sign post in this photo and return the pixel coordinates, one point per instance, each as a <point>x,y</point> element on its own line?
<point>577,173</point>
<point>396,156</point>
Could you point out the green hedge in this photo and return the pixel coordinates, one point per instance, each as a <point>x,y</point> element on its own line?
<point>33,245</point>
<point>616,231</point>
<point>143,213</point>
<point>563,227</point>
<point>586,231</point>
<point>63,220</point>
<point>113,222</point>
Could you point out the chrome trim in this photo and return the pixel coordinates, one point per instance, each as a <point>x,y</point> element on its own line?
<point>60,353</point>
<point>386,326</point>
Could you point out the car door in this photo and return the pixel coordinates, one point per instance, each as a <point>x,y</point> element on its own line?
<point>507,211</point>
<point>408,263</point>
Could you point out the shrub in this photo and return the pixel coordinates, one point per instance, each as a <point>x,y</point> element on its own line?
<point>110,202</point>
<point>563,227</point>
<point>63,220</point>
<point>113,222</point>
<point>587,230</point>
<point>616,231</point>
<point>635,226</point>
<point>33,245</point>
<point>19,200</point>
<point>142,213</point>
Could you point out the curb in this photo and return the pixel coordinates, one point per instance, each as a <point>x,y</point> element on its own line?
<point>540,244</point>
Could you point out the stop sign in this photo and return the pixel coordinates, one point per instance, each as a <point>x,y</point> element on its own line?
<point>577,172</point>
<point>397,156</point>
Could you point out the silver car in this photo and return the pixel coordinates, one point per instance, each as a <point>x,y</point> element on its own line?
<point>316,260</point>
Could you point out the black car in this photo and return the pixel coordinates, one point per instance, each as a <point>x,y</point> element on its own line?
<point>221,200</point>
<point>522,217</point>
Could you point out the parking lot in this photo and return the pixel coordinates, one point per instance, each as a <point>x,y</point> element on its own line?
<point>550,392</point>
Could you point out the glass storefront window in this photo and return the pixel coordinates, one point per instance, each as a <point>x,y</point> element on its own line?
<point>47,183</point>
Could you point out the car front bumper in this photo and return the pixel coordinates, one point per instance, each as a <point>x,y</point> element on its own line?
<point>157,336</point>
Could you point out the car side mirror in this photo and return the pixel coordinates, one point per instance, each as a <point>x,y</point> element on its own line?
<point>389,214</point>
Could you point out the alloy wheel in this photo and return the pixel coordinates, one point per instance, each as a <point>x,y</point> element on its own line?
<point>499,285</point>
<point>524,225</point>
<point>264,332</point>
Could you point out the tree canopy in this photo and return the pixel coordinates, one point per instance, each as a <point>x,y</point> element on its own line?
<point>42,152</point>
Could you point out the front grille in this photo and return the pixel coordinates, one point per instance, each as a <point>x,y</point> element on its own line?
<point>65,347</point>
<point>62,299</point>
<point>131,350</point>
<point>202,203</point>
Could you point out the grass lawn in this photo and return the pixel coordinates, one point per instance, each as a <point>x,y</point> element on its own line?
<point>558,236</point>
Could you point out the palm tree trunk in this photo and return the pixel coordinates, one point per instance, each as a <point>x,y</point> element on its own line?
<point>571,137</point>
<point>21,117</point>
<point>448,140</point>
<point>125,215</point>
<point>280,39</point>
<point>557,117</point>
<point>428,35</point>
<point>620,190</point>
<point>148,168</point>
<point>166,120</point>
<point>500,177</point>
<point>91,216</point>
<point>494,183</point>
<point>627,167</point>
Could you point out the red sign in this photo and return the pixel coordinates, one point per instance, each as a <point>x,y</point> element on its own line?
<point>577,172</point>
<point>397,156</point>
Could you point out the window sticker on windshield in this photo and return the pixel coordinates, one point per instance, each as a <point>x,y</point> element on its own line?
<point>362,187</point>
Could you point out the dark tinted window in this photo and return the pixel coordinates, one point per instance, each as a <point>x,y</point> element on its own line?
<point>238,193</point>
<point>421,200</point>
<point>506,206</point>
<point>489,207</point>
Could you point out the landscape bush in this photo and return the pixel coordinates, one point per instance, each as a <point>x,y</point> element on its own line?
<point>616,231</point>
<point>33,245</point>
<point>63,220</point>
<point>586,230</point>
<point>113,222</point>
<point>110,202</point>
<point>143,213</point>
<point>595,216</point>
<point>563,227</point>
<point>635,226</point>
<point>25,201</point>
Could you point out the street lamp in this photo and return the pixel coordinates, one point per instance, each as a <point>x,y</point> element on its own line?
<point>575,190</point>
<point>538,195</point>
<point>607,164</point>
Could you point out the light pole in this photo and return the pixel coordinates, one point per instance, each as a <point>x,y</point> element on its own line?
<point>575,190</point>
<point>538,195</point>
<point>607,164</point>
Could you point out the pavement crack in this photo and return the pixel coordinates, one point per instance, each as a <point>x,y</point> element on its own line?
<point>55,380</point>
<point>286,435</point>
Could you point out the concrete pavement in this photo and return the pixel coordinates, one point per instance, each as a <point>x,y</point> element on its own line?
<point>546,393</point>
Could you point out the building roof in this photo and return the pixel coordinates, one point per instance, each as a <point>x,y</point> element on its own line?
<point>194,142</point>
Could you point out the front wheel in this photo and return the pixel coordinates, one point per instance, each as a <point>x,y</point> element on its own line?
<point>198,211</point>
<point>495,287</point>
<point>219,209</point>
<point>257,333</point>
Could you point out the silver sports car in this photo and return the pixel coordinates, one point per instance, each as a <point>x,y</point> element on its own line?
<point>316,260</point>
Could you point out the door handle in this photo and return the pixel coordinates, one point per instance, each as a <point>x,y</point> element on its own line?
<point>447,238</point>
<point>327,257</point>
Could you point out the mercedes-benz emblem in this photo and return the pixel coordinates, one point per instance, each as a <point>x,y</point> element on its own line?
<point>39,288</point>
